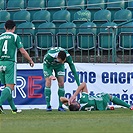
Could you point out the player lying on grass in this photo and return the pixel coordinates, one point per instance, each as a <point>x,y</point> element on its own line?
<point>87,102</point>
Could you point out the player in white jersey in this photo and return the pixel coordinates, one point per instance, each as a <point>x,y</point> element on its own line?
<point>9,44</point>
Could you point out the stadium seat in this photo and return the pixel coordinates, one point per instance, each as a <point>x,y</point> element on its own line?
<point>40,17</point>
<point>81,17</point>
<point>86,37</point>
<point>95,5</point>
<point>4,16</point>
<point>21,16</point>
<point>26,32</point>
<point>45,36</point>
<point>75,5</point>
<point>2,4</point>
<point>122,15</point>
<point>101,17</point>
<point>2,30</point>
<point>66,35</point>
<point>105,36</point>
<point>14,6</point>
<point>130,6</point>
<point>55,5</point>
<point>35,5</point>
<point>126,37</point>
<point>60,17</point>
<point>114,6</point>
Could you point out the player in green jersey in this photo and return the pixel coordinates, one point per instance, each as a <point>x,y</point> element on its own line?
<point>9,44</point>
<point>87,102</point>
<point>54,61</point>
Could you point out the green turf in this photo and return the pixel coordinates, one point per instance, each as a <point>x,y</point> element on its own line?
<point>40,121</point>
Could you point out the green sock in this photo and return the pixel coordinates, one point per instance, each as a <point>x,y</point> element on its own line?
<point>61,93</point>
<point>4,95</point>
<point>117,101</point>
<point>11,102</point>
<point>47,94</point>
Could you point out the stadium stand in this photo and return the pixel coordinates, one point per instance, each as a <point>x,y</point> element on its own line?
<point>75,5</point>
<point>81,17</point>
<point>122,16</point>
<point>2,4</point>
<point>95,5</point>
<point>60,17</point>
<point>35,5</point>
<point>113,6</point>
<point>126,37</point>
<point>26,32</point>
<point>21,16</point>
<point>4,16</point>
<point>86,36</point>
<point>46,31</point>
<point>56,5</point>
<point>130,5</point>
<point>66,35</point>
<point>2,28</point>
<point>41,17</point>
<point>105,36</point>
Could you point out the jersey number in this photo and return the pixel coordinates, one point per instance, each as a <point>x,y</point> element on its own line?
<point>4,49</point>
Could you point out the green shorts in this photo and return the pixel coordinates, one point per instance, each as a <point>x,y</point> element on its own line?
<point>8,72</point>
<point>58,69</point>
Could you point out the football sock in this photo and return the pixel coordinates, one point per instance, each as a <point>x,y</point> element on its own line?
<point>47,94</point>
<point>117,101</point>
<point>4,95</point>
<point>61,93</point>
<point>11,102</point>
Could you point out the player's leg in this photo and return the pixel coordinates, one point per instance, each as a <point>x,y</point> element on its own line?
<point>60,73</point>
<point>118,101</point>
<point>47,91</point>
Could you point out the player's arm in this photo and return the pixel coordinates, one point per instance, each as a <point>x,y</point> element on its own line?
<point>64,100</point>
<point>81,88</point>
<point>73,69</point>
<point>26,55</point>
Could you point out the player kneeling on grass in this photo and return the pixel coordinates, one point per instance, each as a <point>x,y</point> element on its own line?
<point>87,102</point>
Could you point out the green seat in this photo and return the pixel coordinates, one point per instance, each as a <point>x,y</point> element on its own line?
<point>75,5</point>
<point>35,5</point>
<point>95,5</point>
<point>2,4</point>
<point>66,35</point>
<point>21,16</point>
<point>130,5</point>
<point>101,17</point>
<point>41,17</point>
<point>115,6</point>
<point>81,17</point>
<point>55,5</point>
<point>86,37</point>
<point>45,36</point>
<point>105,36</point>
<point>126,37</point>
<point>26,32</point>
<point>2,29</point>
<point>60,17</point>
<point>122,15</point>
<point>4,16</point>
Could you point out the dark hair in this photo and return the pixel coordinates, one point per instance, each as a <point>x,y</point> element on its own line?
<point>74,106</point>
<point>62,55</point>
<point>10,24</point>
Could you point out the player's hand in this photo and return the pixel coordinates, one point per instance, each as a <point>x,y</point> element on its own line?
<point>72,98</point>
<point>31,63</point>
<point>52,77</point>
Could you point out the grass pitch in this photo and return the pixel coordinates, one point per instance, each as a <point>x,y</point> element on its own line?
<point>40,121</point>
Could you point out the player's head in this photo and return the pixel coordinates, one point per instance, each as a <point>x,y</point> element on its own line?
<point>61,56</point>
<point>10,25</point>
<point>74,106</point>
